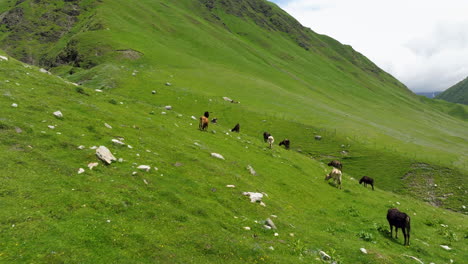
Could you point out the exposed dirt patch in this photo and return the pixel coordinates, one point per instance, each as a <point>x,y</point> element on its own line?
<point>130,54</point>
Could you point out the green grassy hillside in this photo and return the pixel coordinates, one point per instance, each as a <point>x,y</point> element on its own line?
<point>456,94</point>
<point>289,81</point>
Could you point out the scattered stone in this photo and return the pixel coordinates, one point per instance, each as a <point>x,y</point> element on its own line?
<point>145,181</point>
<point>218,156</point>
<point>44,71</point>
<point>344,152</point>
<point>464,207</point>
<point>14,105</point>
<point>271,248</point>
<point>153,92</point>
<point>227,99</point>
<point>3,58</point>
<point>276,234</point>
<point>274,216</point>
<point>129,146</point>
<point>108,126</point>
<point>445,247</point>
<point>267,227</point>
<point>291,234</point>
<point>104,154</point>
<point>58,133</point>
<point>81,147</point>
<point>116,141</point>
<point>411,257</point>
<point>163,113</point>
<point>270,223</point>
<point>134,173</point>
<point>168,107</point>
<point>168,84</point>
<point>80,170</point>
<point>230,186</point>
<point>18,130</point>
<point>317,137</point>
<point>178,164</point>
<point>92,165</point>
<point>98,90</point>
<point>194,118</point>
<point>51,127</point>
<point>58,114</point>
<point>254,196</point>
<point>443,225</point>
<point>93,147</point>
<point>398,203</point>
<point>144,167</point>
<point>363,250</point>
<point>251,170</point>
<point>121,160</point>
<point>263,204</point>
<point>246,228</point>
<point>156,169</point>
<point>324,255</point>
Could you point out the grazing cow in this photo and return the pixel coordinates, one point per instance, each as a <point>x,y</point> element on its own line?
<point>285,142</point>
<point>399,220</point>
<point>270,140</point>
<point>204,121</point>
<point>236,128</point>
<point>265,136</point>
<point>336,175</point>
<point>367,180</point>
<point>337,164</point>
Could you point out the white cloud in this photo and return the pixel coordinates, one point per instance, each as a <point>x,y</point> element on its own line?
<point>423,43</point>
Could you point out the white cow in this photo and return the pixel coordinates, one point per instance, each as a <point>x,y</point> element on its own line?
<point>336,175</point>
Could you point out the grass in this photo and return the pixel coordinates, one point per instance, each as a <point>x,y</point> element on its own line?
<point>184,213</point>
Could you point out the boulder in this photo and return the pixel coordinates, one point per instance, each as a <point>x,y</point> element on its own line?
<point>270,223</point>
<point>105,155</point>
<point>254,196</point>
<point>144,167</point>
<point>218,156</point>
<point>58,114</point>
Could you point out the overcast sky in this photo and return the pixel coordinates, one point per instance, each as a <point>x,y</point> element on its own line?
<point>423,43</point>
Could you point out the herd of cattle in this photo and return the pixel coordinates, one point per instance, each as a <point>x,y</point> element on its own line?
<point>395,218</point>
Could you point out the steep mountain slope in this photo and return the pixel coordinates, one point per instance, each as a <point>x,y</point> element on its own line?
<point>182,211</point>
<point>456,94</point>
<point>289,80</point>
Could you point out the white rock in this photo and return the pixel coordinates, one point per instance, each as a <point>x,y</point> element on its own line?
<point>58,133</point>
<point>134,173</point>
<point>291,234</point>
<point>246,228</point>
<point>194,118</point>
<point>92,165</point>
<point>3,58</point>
<point>51,127</point>
<point>44,70</point>
<point>93,147</point>
<point>168,84</point>
<point>276,234</point>
<point>231,186</point>
<point>153,92</point>
<point>227,99</point>
<point>442,225</point>
<point>14,105</point>
<point>464,207</point>
<point>58,114</point>
<point>108,126</point>
<point>218,156</point>
<point>324,255</point>
<point>363,250</point>
<point>267,227</point>
<point>271,248</point>
<point>156,169</point>
<point>445,247</point>
<point>116,141</point>
<point>80,170</point>
<point>398,203</point>
<point>104,154</point>
<point>81,147</point>
<point>145,181</point>
<point>163,113</point>
<point>98,90</point>
<point>251,170</point>
<point>121,160</point>
<point>254,196</point>
<point>144,167</point>
<point>168,107</point>
<point>130,147</point>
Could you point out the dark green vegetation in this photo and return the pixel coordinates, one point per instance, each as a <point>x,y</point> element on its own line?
<point>456,94</point>
<point>289,81</point>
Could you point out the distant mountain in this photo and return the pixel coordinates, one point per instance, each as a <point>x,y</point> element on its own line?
<point>457,93</point>
<point>429,94</point>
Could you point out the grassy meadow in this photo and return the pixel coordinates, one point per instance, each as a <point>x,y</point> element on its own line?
<point>181,210</point>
